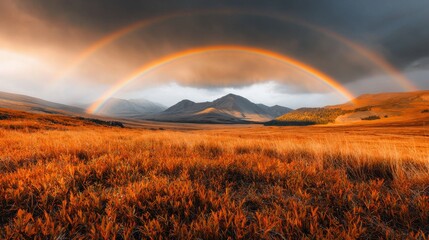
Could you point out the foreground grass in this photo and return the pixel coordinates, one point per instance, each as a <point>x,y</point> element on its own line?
<point>99,182</point>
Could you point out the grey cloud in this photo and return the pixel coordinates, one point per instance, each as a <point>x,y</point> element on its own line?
<point>397,29</point>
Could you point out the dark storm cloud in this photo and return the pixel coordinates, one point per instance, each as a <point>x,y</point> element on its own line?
<point>397,29</point>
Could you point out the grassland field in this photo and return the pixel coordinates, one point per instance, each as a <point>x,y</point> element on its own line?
<point>68,178</point>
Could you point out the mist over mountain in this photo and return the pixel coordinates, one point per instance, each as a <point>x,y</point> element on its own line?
<point>132,108</point>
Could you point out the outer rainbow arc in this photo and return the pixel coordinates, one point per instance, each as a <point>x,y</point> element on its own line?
<point>370,55</point>
<point>121,32</point>
<point>101,43</point>
<point>373,57</point>
<point>94,47</point>
<point>169,58</point>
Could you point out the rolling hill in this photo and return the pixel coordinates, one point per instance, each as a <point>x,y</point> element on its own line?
<point>228,109</point>
<point>367,108</point>
<point>405,106</point>
<point>36,105</point>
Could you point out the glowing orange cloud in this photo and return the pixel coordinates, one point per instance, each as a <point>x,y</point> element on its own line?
<point>370,55</point>
<point>194,51</point>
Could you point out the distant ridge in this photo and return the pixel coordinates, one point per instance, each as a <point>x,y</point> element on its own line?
<point>132,108</point>
<point>32,104</point>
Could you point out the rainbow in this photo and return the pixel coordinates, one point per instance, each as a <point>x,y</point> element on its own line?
<point>115,35</point>
<point>374,58</point>
<point>145,68</point>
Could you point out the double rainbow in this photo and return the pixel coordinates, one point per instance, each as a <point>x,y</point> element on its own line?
<point>139,25</point>
<point>372,56</point>
<point>146,68</point>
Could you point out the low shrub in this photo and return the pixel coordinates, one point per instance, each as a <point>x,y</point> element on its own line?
<point>372,117</point>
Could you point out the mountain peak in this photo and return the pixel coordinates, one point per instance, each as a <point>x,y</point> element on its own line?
<point>185,101</point>
<point>232,96</point>
<point>180,106</point>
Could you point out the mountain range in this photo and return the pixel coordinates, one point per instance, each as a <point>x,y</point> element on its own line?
<point>227,109</point>
<point>410,107</point>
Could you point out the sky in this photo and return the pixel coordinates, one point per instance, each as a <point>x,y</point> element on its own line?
<point>291,53</point>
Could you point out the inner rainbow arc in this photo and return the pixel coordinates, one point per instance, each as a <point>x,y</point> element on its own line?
<point>145,68</point>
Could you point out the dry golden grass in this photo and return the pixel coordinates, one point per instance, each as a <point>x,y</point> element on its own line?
<point>64,178</point>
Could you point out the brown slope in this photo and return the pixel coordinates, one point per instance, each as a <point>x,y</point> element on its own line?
<point>381,108</point>
<point>32,104</point>
<point>389,107</point>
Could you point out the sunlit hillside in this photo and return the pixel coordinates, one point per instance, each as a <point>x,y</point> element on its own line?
<point>383,108</point>
<point>65,177</point>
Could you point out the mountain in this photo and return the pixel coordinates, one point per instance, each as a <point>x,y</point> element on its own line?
<point>132,108</point>
<point>228,109</point>
<point>276,110</point>
<point>185,106</point>
<point>410,107</point>
<point>31,104</point>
